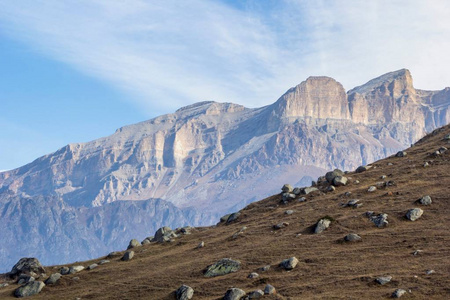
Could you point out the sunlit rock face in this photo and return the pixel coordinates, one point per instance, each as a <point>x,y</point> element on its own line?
<point>210,158</point>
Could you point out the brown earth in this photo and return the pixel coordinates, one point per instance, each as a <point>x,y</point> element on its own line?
<point>328,269</point>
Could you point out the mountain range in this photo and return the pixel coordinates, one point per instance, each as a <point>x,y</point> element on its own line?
<point>203,161</point>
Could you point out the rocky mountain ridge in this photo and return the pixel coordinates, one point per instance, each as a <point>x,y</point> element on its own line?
<point>215,158</point>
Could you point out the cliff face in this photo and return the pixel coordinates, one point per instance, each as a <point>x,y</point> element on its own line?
<point>217,157</point>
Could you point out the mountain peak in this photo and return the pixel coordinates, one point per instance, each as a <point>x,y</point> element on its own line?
<point>402,76</point>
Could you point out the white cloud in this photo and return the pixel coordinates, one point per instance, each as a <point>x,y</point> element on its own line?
<point>171,53</point>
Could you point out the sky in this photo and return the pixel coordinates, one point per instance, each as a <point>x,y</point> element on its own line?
<point>74,71</point>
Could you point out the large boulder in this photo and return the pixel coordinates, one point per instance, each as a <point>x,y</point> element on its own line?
<point>414,214</point>
<point>307,190</point>
<point>164,234</point>
<point>233,217</point>
<point>322,225</point>
<point>340,181</point>
<point>289,263</point>
<point>27,265</point>
<point>29,289</point>
<point>133,243</point>
<point>128,255</point>
<point>234,294</point>
<point>222,267</point>
<point>333,174</point>
<point>184,292</point>
<point>287,188</point>
<point>53,278</point>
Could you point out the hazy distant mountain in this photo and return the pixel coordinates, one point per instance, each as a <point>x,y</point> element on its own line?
<point>216,157</point>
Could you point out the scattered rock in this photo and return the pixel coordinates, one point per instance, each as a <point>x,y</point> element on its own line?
<point>308,190</point>
<point>289,212</point>
<point>297,191</point>
<point>414,214</point>
<point>302,199</point>
<point>425,164</point>
<point>380,220</point>
<point>128,255</point>
<point>356,182</point>
<point>286,197</point>
<point>53,278</point>
<point>287,188</point>
<point>352,237</point>
<point>398,293</point>
<point>133,243</point>
<point>113,254</point>
<point>333,174</point>
<point>146,241</point>
<point>64,271</point>
<point>429,272</point>
<point>383,177</point>
<point>361,169</point>
<point>265,268</point>
<point>322,225</point>
<point>289,263</point>
<point>269,290</point>
<point>222,267</point>
<point>233,217</point>
<point>425,200</point>
<point>340,181</point>
<point>253,275</point>
<point>164,234</point>
<point>103,261</point>
<point>27,265</point>
<point>241,231</point>
<point>93,266</point>
<point>442,150</point>
<point>234,294</point>
<point>184,230</point>
<point>383,279</point>
<point>331,188</point>
<point>184,292</point>
<point>201,245</point>
<point>256,294</point>
<point>352,203</point>
<point>2,285</point>
<point>372,189</point>
<point>75,269</point>
<point>417,252</point>
<point>401,154</point>
<point>280,225</point>
<point>347,194</point>
<point>447,137</point>
<point>390,164</point>
<point>29,289</point>
<point>225,218</point>
<point>24,278</point>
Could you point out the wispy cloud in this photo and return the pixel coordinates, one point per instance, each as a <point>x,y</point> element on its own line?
<point>171,53</point>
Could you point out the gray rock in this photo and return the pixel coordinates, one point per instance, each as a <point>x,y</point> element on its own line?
<point>27,265</point>
<point>233,217</point>
<point>29,289</point>
<point>398,293</point>
<point>92,267</point>
<point>2,285</point>
<point>256,294</point>
<point>417,252</point>
<point>146,241</point>
<point>201,245</point>
<point>322,225</point>
<point>308,190</point>
<point>133,243</point>
<point>380,220</point>
<point>297,191</point>
<point>302,199</point>
<point>269,289</point>
<point>383,177</point>
<point>352,203</point>
<point>286,197</point>
<point>225,218</point>
<point>103,261</point>
<point>429,272</point>
<point>280,225</point>
<point>287,188</point>
<point>340,181</point>
<point>234,294</point>
<point>425,200</point>
<point>113,254</point>
<point>356,182</point>
<point>331,188</point>
<point>383,279</point>
<point>128,255</point>
<point>289,263</point>
<point>352,237</point>
<point>372,189</point>
<point>401,154</point>
<point>53,278</point>
<point>289,212</point>
<point>164,234</point>
<point>24,278</point>
<point>331,175</point>
<point>347,194</point>
<point>184,230</point>
<point>414,214</point>
<point>64,271</point>
<point>222,267</point>
<point>75,269</point>
<point>184,292</point>
<point>442,150</point>
<point>253,275</point>
<point>425,164</point>
<point>361,169</point>
<point>265,268</point>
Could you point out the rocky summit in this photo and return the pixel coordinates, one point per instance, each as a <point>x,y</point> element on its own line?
<point>203,161</point>
<point>351,258</point>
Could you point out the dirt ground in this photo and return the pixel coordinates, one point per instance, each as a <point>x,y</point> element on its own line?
<point>328,267</point>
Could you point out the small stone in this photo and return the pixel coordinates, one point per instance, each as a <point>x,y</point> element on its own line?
<point>253,275</point>
<point>383,279</point>
<point>340,181</point>
<point>280,225</point>
<point>146,241</point>
<point>76,278</point>
<point>414,214</point>
<point>91,267</point>
<point>113,254</point>
<point>383,177</point>
<point>372,189</point>
<point>331,188</point>
<point>398,293</point>
<point>75,269</point>
<point>347,194</point>
<point>103,261</point>
<point>269,290</point>
<point>442,150</point>
<point>225,218</point>
<point>322,225</point>
<point>29,289</point>
<point>128,255</point>
<point>297,191</point>
<point>352,202</point>
<point>352,237</point>
<point>234,294</point>
<point>222,267</point>
<point>24,278</point>
<point>286,197</point>
<point>401,154</point>
<point>287,188</point>
<point>256,294</point>
<point>390,164</point>
<point>302,199</point>
<point>2,285</point>
<point>425,164</point>
<point>356,181</point>
<point>380,220</point>
<point>447,137</point>
<point>289,212</point>
<point>53,278</point>
<point>425,200</point>
<point>417,252</point>
<point>308,190</point>
<point>133,243</point>
<point>64,270</point>
<point>289,263</point>
<point>201,245</point>
<point>265,268</point>
<point>184,292</point>
<point>429,272</point>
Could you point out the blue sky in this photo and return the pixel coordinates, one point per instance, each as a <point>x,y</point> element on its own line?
<point>73,71</point>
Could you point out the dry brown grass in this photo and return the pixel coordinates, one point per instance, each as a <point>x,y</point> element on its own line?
<point>328,268</point>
